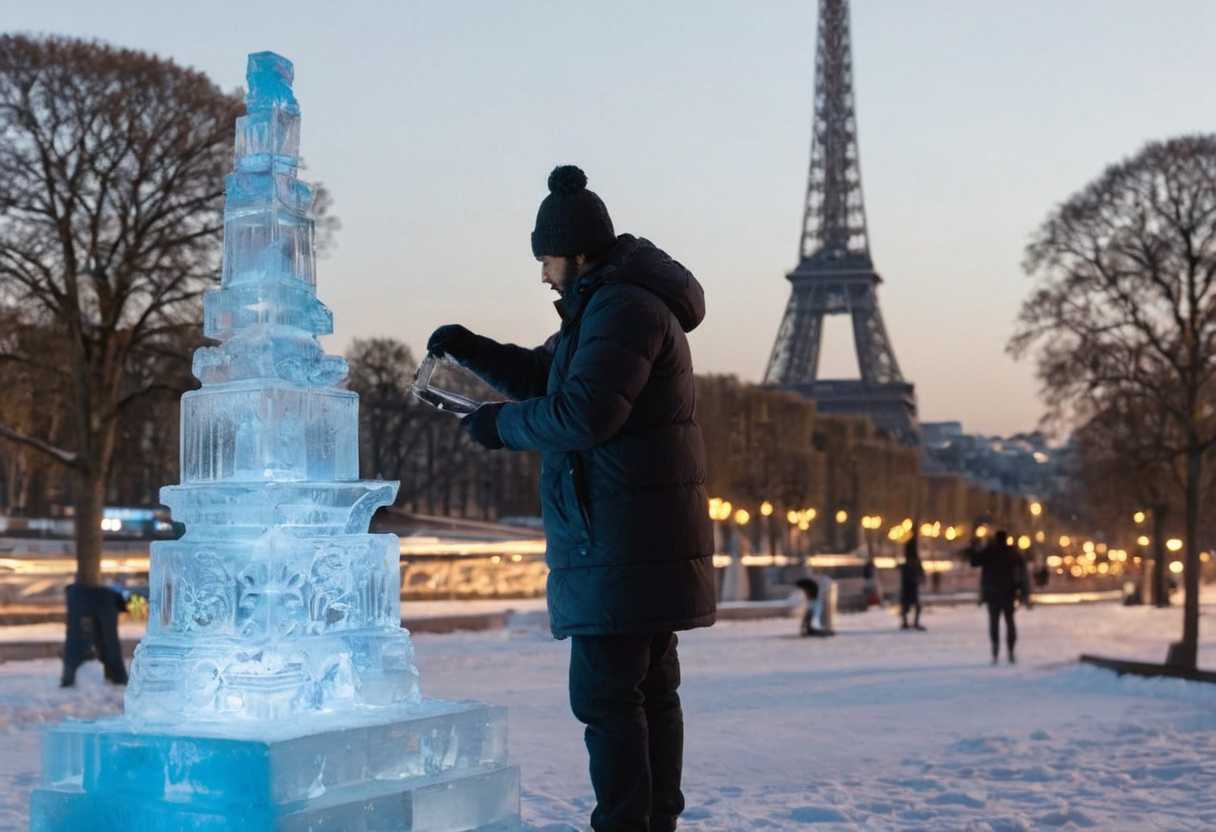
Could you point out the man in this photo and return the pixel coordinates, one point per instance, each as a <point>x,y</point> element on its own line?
<point>1003,580</point>
<point>911,576</point>
<point>609,403</point>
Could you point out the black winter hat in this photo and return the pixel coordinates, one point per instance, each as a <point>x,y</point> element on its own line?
<point>571,220</point>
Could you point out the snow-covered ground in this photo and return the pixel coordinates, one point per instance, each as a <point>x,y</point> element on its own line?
<point>873,729</point>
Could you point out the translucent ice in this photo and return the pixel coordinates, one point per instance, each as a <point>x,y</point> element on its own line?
<point>275,688</point>
<point>276,601</point>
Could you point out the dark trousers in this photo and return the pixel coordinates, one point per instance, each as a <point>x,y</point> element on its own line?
<point>996,609</point>
<point>623,688</point>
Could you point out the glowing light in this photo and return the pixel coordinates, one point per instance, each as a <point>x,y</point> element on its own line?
<point>811,514</point>
<point>1054,561</point>
<point>1065,541</point>
<point>926,529</point>
<point>1138,517</point>
<point>792,517</point>
<point>742,517</point>
<point>842,516</point>
<point>1205,556</point>
<point>1176,567</point>
<point>1143,540</point>
<point>803,526</point>
<point>1102,548</point>
<point>766,508</point>
<point>951,533</point>
<point>907,524</point>
<point>1040,536</point>
<point>1024,542</point>
<point>1173,544</point>
<point>1088,548</point>
<point>1036,508</point>
<point>981,532</point>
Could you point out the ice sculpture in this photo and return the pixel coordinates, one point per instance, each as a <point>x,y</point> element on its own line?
<point>275,688</point>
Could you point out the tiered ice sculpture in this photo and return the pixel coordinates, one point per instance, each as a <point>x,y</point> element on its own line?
<point>275,688</point>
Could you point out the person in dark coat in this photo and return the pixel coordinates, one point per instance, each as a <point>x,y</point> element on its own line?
<point>609,403</point>
<point>911,576</point>
<point>1003,581</point>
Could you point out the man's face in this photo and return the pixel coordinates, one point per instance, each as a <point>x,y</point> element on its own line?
<point>558,272</point>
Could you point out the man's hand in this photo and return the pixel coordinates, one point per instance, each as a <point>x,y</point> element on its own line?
<point>452,340</point>
<point>482,426</point>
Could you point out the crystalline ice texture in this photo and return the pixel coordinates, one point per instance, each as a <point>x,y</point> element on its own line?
<point>277,601</point>
<point>275,688</point>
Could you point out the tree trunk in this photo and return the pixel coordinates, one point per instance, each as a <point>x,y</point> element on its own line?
<point>1161,592</point>
<point>1187,651</point>
<point>90,502</point>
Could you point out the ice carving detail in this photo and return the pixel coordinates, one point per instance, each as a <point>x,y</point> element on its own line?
<point>276,603</point>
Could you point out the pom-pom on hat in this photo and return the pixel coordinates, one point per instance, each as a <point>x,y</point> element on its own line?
<point>571,220</point>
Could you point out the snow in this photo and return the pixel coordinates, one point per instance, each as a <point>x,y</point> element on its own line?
<point>874,729</point>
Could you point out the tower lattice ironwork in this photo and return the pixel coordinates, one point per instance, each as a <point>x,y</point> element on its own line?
<point>835,274</point>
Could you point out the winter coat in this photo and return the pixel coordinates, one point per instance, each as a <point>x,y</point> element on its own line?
<point>609,403</point>
<point>1002,573</point>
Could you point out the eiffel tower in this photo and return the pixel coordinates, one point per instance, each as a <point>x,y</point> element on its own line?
<point>835,275</point>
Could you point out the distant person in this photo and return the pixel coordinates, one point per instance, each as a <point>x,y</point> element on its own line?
<point>1003,581</point>
<point>911,576</point>
<point>609,403</point>
<point>816,619</point>
<point>1042,575</point>
<point>869,583</point>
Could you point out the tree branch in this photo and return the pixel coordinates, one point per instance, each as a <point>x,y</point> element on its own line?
<point>68,458</point>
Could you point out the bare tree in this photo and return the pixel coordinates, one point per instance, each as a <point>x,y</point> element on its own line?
<point>1126,467</point>
<point>111,181</point>
<point>1125,305</point>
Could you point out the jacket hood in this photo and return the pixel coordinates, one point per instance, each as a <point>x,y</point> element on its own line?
<point>639,262</point>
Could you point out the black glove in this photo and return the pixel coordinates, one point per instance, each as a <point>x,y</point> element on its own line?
<point>482,426</point>
<point>452,340</point>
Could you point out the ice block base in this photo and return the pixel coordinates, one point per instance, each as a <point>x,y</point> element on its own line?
<point>436,767</point>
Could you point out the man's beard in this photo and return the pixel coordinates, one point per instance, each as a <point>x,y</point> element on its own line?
<point>569,274</point>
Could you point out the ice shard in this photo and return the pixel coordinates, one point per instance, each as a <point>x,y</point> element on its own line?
<point>275,688</point>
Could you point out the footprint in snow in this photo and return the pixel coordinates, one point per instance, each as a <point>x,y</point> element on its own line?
<point>816,814</point>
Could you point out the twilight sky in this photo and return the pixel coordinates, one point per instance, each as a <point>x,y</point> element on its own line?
<point>435,124</point>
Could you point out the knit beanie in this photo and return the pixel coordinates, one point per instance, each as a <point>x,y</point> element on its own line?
<point>571,220</point>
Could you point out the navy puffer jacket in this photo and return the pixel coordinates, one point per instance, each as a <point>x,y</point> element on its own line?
<point>609,403</point>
